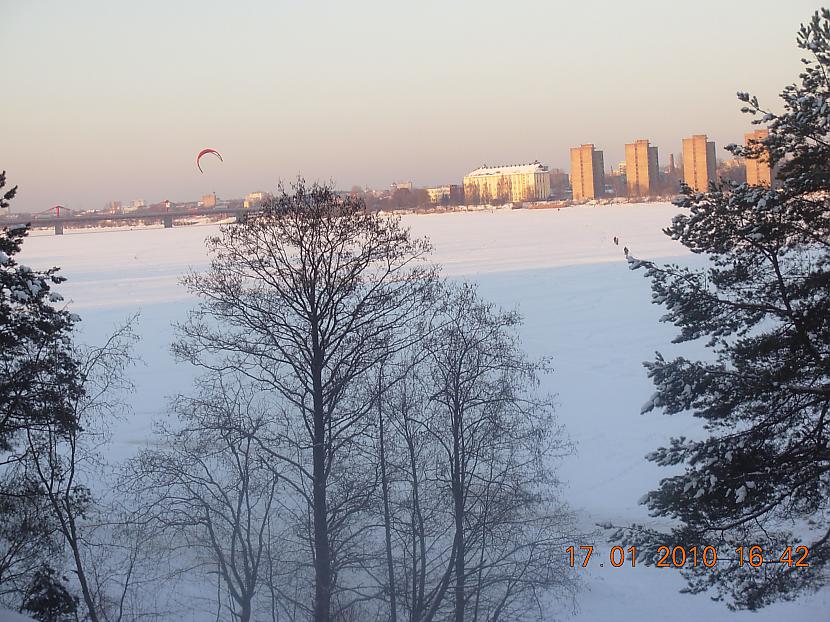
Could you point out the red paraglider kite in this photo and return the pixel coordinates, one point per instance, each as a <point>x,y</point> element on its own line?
<point>203,152</point>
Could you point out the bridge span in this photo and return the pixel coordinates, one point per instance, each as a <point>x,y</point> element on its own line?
<point>60,217</point>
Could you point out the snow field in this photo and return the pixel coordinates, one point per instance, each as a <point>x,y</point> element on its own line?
<point>581,305</point>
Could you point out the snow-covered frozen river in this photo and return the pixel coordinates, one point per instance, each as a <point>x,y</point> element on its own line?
<point>581,305</point>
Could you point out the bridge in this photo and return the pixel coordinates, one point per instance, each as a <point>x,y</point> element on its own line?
<point>61,217</point>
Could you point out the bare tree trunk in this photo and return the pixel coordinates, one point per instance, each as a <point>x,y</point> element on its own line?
<point>322,553</point>
<point>480,572</point>
<point>245,612</point>
<point>322,558</point>
<point>460,570</point>
<point>430,580</point>
<point>59,494</point>
<point>92,608</point>
<point>71,533</point>
<point>419,553</point>
<point>390,568</point>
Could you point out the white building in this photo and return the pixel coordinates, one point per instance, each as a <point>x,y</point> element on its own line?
<point>514,182</point>
<point>135,204</point>
<point>452,193</point>
<point>402,185</point>
<point>252,199</point>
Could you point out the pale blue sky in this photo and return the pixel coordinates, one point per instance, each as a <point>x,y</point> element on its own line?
<point>108,100</point>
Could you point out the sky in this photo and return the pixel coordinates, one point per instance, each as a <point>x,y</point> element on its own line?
<point>105,100</point>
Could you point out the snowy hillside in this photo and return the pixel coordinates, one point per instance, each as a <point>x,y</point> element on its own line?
<point>581,304</point>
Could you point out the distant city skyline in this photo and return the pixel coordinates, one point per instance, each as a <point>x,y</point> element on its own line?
<point>110,102</point>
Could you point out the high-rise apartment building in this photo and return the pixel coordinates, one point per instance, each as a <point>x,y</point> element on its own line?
<point>641,168</point>
<point>699,162</point>
<point>587,173</point>
<point>758,170</point>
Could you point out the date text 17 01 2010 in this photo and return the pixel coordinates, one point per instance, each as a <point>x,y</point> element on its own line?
<point>694,556</point>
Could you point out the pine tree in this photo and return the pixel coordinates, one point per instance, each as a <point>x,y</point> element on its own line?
<point>761,475</point>
<point>38,374</point>
<point>39,386</point>
<point>47,598</point>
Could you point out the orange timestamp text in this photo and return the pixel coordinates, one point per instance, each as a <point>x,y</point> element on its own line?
<point>692,556</point>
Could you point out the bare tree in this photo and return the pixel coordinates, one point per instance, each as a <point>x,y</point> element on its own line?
<point>305,299</point>
<point>415,516</point>
<point>28,536</point>
<point>62,464</point>
<point>212,488</point>
<point>479,531</point>
<point>472,194</point>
